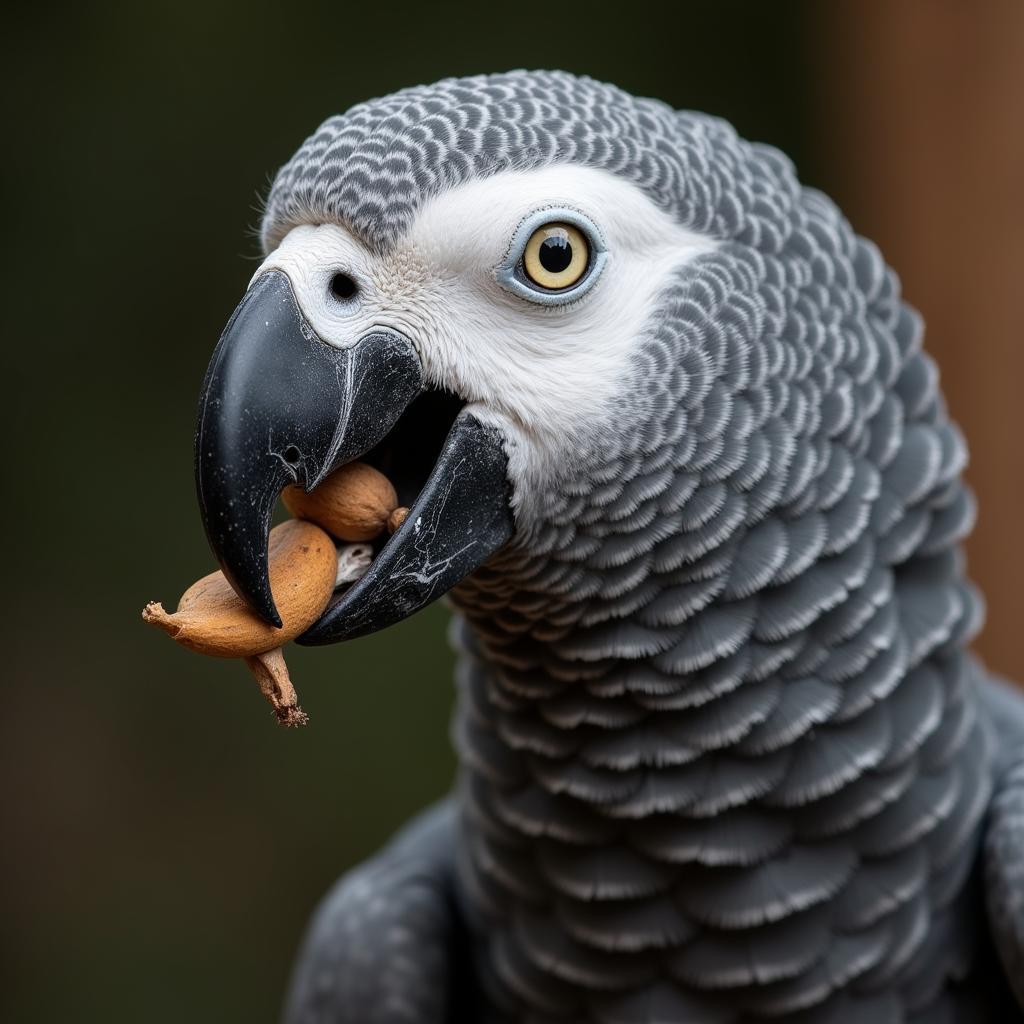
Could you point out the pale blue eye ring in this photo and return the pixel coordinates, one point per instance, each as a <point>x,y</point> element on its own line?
<point>511,275</point>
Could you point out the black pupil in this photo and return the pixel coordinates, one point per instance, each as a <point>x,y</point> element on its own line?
<point>555,254</point>
<point>342,286</point>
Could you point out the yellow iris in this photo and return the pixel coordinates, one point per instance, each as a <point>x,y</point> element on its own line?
<point>556,256</point>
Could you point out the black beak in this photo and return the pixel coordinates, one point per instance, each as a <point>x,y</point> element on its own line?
<point>280,406</point>
<point>460,518</point>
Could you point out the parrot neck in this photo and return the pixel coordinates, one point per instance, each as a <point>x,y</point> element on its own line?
<point>726,810</point>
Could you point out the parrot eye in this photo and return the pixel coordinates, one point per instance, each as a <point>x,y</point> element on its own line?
<point>555,257</point>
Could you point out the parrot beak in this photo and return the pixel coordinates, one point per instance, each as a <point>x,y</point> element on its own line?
<point>280,406</point>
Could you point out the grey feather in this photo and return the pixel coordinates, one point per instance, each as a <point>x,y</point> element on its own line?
<point>912,817</point>
<point>846,959</point>
<point>802,877</point>
<point>553,950</point>
<point>861,800</point>
<point>834,756</point>
<point>907,931</point>
<point>506,867</point>
<point>537,988</point>
<point>603,873</point>
<point>741,836</point>
<point>754,956</point>
<point>651,923</point>
<point>880,888</point>
<point>916,708</point>
<point>804,704</point>
<point>535,813</point>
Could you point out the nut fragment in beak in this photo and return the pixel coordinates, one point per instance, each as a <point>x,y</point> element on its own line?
<point>353,561</point>
<point>397,517</point>
<point>353,503</point>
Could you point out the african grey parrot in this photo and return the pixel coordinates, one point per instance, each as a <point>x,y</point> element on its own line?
<point>667,429</point>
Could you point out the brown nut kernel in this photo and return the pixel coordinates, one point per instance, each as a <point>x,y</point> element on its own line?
<point>353,503</point>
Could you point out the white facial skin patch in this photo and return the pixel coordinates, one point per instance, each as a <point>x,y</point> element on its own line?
<point>544,374</point>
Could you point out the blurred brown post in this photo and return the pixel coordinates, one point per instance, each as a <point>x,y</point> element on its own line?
<point>922,112</point>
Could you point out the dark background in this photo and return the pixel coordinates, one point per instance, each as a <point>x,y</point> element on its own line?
<point>163,842</point>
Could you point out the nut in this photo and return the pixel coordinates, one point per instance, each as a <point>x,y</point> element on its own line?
<point>353,503</point>
<point>212,619</point>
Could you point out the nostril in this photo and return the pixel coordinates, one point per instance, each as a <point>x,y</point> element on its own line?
<point>343,287</point>
<point>292,455</point>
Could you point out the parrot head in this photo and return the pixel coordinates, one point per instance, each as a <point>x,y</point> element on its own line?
<point>509,293</point>
<point>471,336</point>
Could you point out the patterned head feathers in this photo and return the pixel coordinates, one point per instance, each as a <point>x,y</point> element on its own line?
<point>372,168</point>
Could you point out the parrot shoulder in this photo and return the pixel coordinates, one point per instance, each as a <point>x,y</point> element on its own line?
<point>1004,835</point>
<point>382,944</point>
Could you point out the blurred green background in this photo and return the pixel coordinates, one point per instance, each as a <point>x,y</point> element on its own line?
<point>164,842</point>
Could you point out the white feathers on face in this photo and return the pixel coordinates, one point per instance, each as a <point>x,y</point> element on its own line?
<point>545,374</point>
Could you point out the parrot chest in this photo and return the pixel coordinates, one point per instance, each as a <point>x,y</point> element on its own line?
<point>636,850</point>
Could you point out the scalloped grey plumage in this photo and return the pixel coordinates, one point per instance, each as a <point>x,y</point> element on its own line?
<point>724,756</point>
